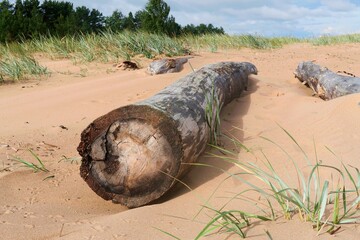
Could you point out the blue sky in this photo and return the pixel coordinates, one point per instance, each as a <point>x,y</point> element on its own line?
<point>263,17</point>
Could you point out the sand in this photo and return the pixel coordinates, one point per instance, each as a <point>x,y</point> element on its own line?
<point>48,116</point>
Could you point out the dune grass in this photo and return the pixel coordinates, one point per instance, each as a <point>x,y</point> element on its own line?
<point>21,68</point>
<point>327,204</point>
<point>17,59</point>
<point>107,46</point>
<point>213,42</point>
<point>16,64</point>
<point>331,40</point>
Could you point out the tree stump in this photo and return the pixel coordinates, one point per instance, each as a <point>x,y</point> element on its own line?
<point>169,65</point>
<point>325,83</point>
<point>134,154</point>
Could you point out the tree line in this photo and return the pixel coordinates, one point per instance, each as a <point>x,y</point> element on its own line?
<point>26,19</point>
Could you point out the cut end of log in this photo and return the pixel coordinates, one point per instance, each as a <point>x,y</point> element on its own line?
<point>133,161</point>
<point>129,156</point>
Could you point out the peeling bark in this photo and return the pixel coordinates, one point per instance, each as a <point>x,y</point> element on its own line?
<point>134,154</point>
<point>325,83</point>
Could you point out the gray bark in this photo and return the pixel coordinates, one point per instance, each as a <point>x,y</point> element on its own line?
<point>325,83</point>
<point>134,154</point>
<point>169,65</point>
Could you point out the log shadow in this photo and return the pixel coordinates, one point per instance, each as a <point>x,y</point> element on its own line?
<point>231,116</point>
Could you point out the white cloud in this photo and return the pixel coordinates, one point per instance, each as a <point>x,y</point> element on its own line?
<point>280,17</point>
<point>339,5</point>
<point>107,7</point>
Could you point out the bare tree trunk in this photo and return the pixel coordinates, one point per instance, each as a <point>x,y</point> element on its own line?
<point>325,83</point>
<point>134,154</point>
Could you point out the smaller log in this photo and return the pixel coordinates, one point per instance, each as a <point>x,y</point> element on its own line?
<point>325,83</point>
<point>169,65</point>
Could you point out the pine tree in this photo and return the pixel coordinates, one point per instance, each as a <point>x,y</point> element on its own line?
<point>58,17</point>
<point>155,16</point>
<point>138,20</point>
<point>6,21</point>
<point>96,21</point>
<point>19,24</point>
<point>36,25</point>
<point>171,27</point>
<point>130,22</point>
<point>28,18</point>
<point>116,22</point>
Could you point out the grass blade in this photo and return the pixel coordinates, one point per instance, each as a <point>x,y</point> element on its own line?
<point>323,202</point>
<point>167,233</point>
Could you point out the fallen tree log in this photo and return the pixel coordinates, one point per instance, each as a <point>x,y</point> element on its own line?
<point>325,83</point>
<point>134,154</point>
<point>169,65</point>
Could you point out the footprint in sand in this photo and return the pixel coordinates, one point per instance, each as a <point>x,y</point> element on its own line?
<point>33,199</point>
<point>57,218</point>
<point>29,215</point>
<point>138,96</point>
<point>5,223</point>
<point>268,106</point>
<point>99,228</point>
<point>91,237</point>
<point>98,101</point>
<point>120,236</point>
<point>8,209</point>
<point>94,225</point>
<point>29,226</point>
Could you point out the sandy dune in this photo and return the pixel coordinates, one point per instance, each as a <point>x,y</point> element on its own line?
<point>49,115</point>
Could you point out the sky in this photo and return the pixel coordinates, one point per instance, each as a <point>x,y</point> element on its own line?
<point>297,18</point>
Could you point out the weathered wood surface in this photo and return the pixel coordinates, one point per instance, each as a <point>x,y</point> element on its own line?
<point>135,153</point>
<point>325,83</point>
<point>169,65</point>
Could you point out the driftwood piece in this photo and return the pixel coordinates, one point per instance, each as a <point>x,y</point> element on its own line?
<point>169,65</point>
<point>325,83</point>
<point>134,154</point>
<point>127,65</point>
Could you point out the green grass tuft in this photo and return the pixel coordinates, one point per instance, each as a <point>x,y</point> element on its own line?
<point>13,68</point>
<point>312,200</point>
<point>36,167</point>
<point>331,40</point>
